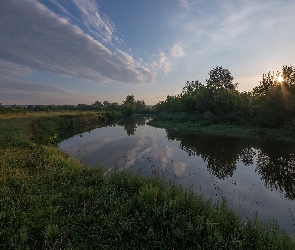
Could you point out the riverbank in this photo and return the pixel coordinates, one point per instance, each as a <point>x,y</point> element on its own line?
<point>196,124</point>
<point>51,201</point>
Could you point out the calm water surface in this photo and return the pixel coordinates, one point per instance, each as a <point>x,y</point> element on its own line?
<point>251,175</point>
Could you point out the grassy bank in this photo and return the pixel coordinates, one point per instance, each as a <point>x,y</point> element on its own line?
<point>50,201</point>
<point>196,124</point>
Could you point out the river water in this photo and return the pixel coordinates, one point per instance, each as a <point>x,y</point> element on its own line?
<point>253,176</point>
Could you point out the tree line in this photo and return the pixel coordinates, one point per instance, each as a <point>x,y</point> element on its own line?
<point>128,107</point>
<point>270,104</point>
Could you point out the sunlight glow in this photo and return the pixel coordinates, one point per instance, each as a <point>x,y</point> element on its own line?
<point>280,79</point>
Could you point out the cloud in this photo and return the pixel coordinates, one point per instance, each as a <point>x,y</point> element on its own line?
<point>176,51</point>
<point>179,168</point>
<point>162,64</point>
<point>7,84</point>
<point>163,154</point>
<point>87,16</point>
<point>125,150</point>
<point>39,39</point>
<point>25,93</point>
<point>223,24</point>
<point>12,69</point>
<point>183,3</point>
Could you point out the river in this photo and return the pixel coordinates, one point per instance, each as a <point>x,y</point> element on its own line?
<point>253,176</point>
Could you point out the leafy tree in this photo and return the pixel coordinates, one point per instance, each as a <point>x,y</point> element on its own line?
<point>268,80</point>
<point>97,104</point>
<point>129,106</point>
<point>140,106</point>
<point>288,75</point>
<point>105,104</point>
<point>226,101</point>
<point>273,100</point>
<point>191,87</point>
<point>270,104</point>
<point>221,78</point>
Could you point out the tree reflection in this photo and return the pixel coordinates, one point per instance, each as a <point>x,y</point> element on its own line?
<point>247,156</point>
<point>275,162</point>
<point>220,153</point>
<point>84,128</point>
<point>131,123</point>
<point>276,165</point>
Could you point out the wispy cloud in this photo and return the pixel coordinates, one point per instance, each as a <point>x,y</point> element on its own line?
<point>33,36</point>
<point>87,16</point>
<point>183,3</point>
<point>15,91</point>
<point>12,69</point>
<point>8,84</point>
<point>162,64</point>
<point>176,50</point>
<point>221,25</point>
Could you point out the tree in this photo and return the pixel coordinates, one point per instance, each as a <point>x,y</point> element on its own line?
<point>268,81</point>
<point>190,87</point>
<point>220,78</point>
<point>273,98</point>
<point>288,75</point>
<point>129,106</point>
<point>106,103</point>
<point>97,104</point>
<point>140,107</point>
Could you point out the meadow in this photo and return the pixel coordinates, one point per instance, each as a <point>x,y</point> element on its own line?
<point>51,201</point>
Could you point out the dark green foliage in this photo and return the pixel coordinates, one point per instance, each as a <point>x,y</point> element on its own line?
<point>220,78</point>
<point>81,209</point>
<point>129,106</point>
<point>274,101</point>
<point>191,87</point>
<point>12,109</point>
<point>271,104</point>
<point>197,124</point>
<point>140,107</point>
<point>51,129</point>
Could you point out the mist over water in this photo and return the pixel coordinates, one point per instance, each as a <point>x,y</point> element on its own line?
<point>251,175</point>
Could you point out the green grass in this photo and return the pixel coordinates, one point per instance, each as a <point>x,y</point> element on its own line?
<point>196,124</point>
<point>50,201</point>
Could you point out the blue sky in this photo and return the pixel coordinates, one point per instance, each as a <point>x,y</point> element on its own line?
<point>81,51</point>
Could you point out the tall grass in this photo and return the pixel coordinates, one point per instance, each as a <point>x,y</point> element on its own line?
<point>196,123</point>
<point>50,201</point>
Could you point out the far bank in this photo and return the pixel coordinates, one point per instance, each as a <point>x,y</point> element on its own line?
<point>197,124</point>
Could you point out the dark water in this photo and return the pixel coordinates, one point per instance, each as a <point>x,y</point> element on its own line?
<point>251,175</point>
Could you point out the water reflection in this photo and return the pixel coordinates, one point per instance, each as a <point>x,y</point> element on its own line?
<point>278,172</point>
<point>85,128</point>
<point>275,161</point>
<point>252,175</point>
<point>131,123</point>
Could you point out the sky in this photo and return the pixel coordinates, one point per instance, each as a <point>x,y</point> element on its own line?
<point>82,51</point>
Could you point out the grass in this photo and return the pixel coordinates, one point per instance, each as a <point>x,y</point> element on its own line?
<point>51,201</point>
<point>192,123</point>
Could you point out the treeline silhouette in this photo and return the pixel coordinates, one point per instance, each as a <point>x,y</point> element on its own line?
<point>270,104</point>
<point>128,107</point>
